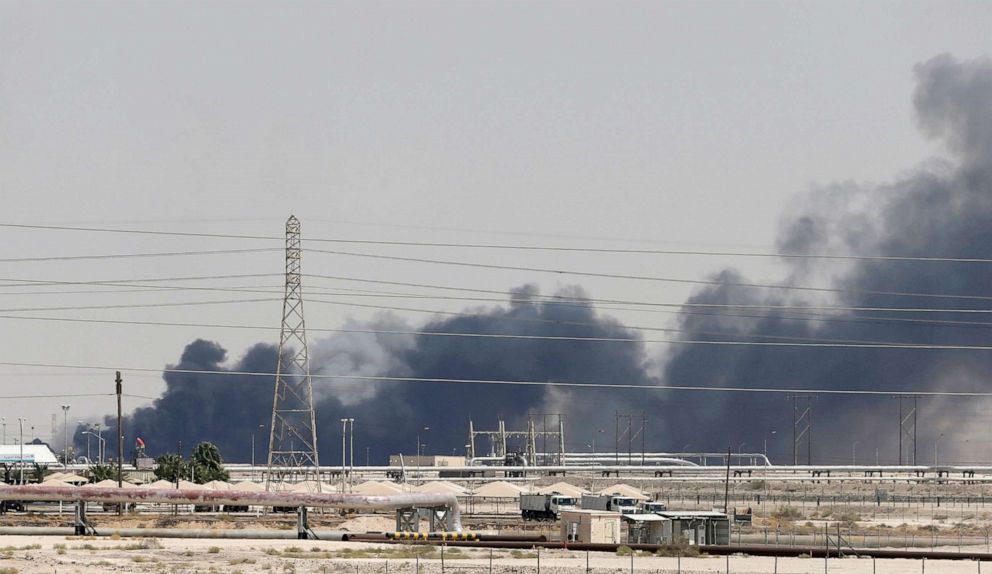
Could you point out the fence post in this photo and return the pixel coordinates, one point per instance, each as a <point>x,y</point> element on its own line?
<point>538,560</point>
<point>491,561</point>
<point>442,558</point>
<point>678,561</point>
<point>587,563</point>
<point>418,560</point>
<point>728,563</point>
<point>631,561</point>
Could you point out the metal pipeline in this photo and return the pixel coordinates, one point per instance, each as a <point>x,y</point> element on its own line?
<point>234,498</point>
<point>752,549</point>
<point>444,536</point>
<point>177,533</point>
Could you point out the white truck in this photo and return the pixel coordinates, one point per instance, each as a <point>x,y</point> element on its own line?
<point>544,506</point>
<point>610,502</point>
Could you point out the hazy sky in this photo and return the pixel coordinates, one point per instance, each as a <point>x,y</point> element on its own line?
<point>566,123</point>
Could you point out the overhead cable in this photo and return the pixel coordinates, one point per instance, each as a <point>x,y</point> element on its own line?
<point>511,247</point>
<point>135,255</point>
<point>510,336</point>
<point>565,384</point>
<point>640,277</point>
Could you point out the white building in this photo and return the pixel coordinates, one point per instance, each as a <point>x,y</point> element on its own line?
<point>33,454</point>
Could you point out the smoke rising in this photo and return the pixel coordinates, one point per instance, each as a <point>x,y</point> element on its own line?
<point>940,208</point>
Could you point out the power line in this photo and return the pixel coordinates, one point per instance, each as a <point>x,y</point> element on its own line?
<point>546,300</point>
<point>511,336</point>
<point>529,320</point>
<point>136,305</point>
<point>512,247</point>
<point>134,255</point>
<point>14,282</point>
<point>56,396</point>
<point>540,299</point>
<point>786,341</point>
<point>694,388</point>
<point>639,277</point>
<point>802,317</point>
<point>580,302</point>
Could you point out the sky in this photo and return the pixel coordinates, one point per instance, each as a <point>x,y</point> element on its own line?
<point>675,124</point>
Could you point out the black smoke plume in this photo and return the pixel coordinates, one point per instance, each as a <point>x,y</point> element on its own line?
<point>940,208</point>
<point>226,409</point>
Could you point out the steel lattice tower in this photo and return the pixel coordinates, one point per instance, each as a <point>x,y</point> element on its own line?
<point>293,433</point>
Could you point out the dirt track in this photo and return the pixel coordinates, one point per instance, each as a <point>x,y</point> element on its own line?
<point>45,555</point>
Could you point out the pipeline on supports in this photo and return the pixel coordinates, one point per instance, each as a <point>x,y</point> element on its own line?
<point>236,498</point>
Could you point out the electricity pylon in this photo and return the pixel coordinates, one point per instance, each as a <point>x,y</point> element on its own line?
<point>293,432</point>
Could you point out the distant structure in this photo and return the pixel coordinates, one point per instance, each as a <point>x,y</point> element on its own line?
<point>499,439</point>
<point>293,432</point>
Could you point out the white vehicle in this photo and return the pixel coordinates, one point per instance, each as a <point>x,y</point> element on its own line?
<point>651,507</point>
<point>610,502</point>
<point>544,506</point>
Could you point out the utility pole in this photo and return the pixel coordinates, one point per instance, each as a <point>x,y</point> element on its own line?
<point>120,438</point>
<point>351,449</point>
<point>20,424</point>
<point>344,451</point>
<point>726,486</point>
<point>65,423</point>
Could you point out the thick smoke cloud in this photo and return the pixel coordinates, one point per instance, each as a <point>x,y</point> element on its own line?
<point>390,415</point>
<point>941,208</point>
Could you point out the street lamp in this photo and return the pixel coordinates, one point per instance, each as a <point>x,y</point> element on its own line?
<point>65,448</point>
<point>773,433</point>
<point>20,423</point>
<point>419,471</point>
<point>79,423</point>
<point>351,447</point>
<point>99,444</point>
<point>102,444</point>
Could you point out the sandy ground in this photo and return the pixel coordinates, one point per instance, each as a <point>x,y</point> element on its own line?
<point>30,555</point>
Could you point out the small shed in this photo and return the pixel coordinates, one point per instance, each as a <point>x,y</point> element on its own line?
<point>648,529</point>
<point>698,527</point>
<point>590,526</point>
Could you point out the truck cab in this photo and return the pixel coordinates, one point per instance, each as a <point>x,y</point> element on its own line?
<point>623,504</point>
<point>561,502</point>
